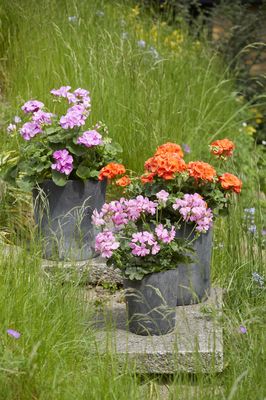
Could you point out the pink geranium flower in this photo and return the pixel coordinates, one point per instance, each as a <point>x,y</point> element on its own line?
<point>90,138</point>
<point>64,162</point>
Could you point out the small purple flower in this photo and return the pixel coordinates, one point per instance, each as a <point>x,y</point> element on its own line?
<point>61,92</point>
<point>17,119</point>
<point>11,128</point>
<point>29,130</point>
<point>64,162</point>
<point>242,329</point>
<point>186,148</point>
<point>162,196</point>
<point>32,106</point>
<point>42,118</point>
<point>258,279</point>
<point>250,211</point>
<point>141,43</point>
<point>12,332</point>
<point>252,228</point>
<point>90,139</point>
<point>263,232</point>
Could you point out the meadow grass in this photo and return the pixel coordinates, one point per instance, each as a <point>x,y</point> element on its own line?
<point>181,91</point>
<point>185,95</point>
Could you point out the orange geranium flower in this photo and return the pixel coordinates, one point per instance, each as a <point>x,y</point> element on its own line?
<point>169,148</point>
<point>201,170</point>
<point>230,182</point>
<point>165,165</point>
<point>223,147</point>
<point>147,178</point>
<point>124,181</point>
<point>111,170</point>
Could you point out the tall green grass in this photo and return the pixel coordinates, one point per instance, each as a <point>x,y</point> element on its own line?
<point>55,356</point>
<point>184,95</point>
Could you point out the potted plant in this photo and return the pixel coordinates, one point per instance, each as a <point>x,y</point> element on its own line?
<point>147,251</point>
<point>192,195</point>
<point>63,161</point>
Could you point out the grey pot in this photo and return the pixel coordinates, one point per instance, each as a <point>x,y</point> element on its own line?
<point>194,281</point>
<point>63,215</point>
<point>151,303</point>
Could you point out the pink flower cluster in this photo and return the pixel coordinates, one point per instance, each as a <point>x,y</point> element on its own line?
<point>78,96</point>
<point>79,112</point>
<point>194,209</point>
<point>90,138</point>
<point>105,243</point>
<point>29,130</point>
<point>122,211</point>
<point>162,196</point>
<point>42,118</point>
<point>164,235</point>
<point>39,118</point>
<point>144,243</point>
<point>64,162</point>
<point>75,116</point>
<point>32,106</point>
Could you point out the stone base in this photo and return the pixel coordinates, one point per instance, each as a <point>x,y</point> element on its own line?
<point>93,271</point>
<point>196,344</point>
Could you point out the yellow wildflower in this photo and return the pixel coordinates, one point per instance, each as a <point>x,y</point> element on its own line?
<point>135,11</point>
<point>154,33</point>
<point>250,129</point>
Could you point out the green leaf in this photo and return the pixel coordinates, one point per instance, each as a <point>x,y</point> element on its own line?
<point>84,172</point>
<point>58,178</point>
<point>60,137</point>
<point>52,130</point>
<point>76,149</point>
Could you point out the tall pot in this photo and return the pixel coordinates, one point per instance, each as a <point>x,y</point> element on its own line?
<point>63,215</point>
<point>193,279</point>
<point>151,303</point>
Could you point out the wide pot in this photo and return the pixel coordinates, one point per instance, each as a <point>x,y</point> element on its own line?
<point>63,215</point>
<point>193,279</point>
<point>151,303</point>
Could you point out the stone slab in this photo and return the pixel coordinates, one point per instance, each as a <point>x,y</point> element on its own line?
<point>93,271</point>
<point>196,344</point>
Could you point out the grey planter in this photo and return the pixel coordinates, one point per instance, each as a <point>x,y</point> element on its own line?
<point>151,303</point>
<point>63,215</point>
<point>194,281</point>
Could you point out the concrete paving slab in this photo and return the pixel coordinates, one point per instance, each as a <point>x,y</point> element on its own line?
<point>93,271</point>
<point>196,344</point>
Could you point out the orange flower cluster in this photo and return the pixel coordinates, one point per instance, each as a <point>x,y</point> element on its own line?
<point>164,165</point>
<point>169,148</point>
<point>111,170</point>
<point>222,148</point>
<point>147,178</point>
<point>201,170</point>
<point>124,181</point>
<point>230,182</point>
